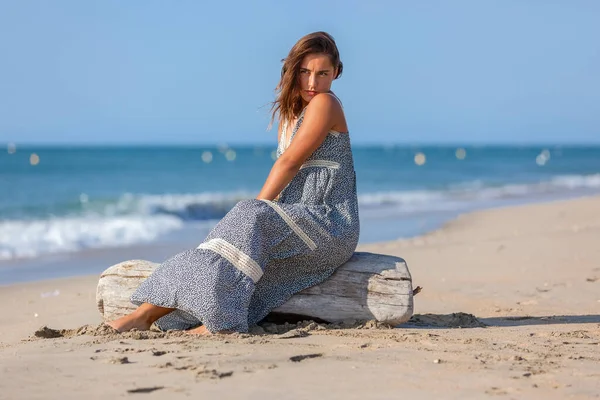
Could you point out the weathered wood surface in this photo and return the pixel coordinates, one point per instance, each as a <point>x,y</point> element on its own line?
<point>368,286</point>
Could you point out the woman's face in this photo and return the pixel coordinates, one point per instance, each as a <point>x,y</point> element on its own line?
<point>315,75</point>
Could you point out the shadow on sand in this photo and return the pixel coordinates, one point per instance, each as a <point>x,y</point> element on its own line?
<point>463,320</point>
<point>547,320</point>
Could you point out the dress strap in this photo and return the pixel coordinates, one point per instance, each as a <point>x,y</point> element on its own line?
<point>284,140</point>
<point>337,98</point>
<point>283,134</point>
<point>299,119</point>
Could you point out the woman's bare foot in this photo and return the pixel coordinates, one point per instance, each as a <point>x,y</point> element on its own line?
<point>201,330</point>
<point>141,319</point>
<point>129,322</point>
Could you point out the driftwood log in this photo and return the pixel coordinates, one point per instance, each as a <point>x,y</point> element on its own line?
<point>368,286</point>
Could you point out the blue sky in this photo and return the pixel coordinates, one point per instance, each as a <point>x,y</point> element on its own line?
<point>175,72</point>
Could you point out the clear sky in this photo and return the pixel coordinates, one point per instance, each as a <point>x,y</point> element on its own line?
<point>160,72</point>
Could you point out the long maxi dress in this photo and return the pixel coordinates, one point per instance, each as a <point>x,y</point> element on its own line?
<point>263,252</point>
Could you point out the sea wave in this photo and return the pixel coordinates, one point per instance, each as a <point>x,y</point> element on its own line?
<point>128,220</point>
<point>187,207</point>
<point>458,196</point>
<point>139,218</point>
<point>27,239</point>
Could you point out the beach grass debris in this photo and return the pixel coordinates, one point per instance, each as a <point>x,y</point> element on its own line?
<point>119,360</point>
<point>145,389</point>
<point>305,356</point>
<point>214,374</point>
<point>294,333</point>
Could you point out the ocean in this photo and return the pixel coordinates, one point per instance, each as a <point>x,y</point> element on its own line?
<point>63,209</point>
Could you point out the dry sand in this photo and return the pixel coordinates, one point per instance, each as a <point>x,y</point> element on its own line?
<point>524,282</point>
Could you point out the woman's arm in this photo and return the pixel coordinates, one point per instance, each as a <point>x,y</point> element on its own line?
<point>319,118</point>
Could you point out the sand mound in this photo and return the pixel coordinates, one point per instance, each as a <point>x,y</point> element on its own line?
<point>454,320</point>
<point>284,330</point>
<point>98,330</point>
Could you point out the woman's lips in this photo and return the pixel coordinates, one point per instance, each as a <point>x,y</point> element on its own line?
<point>311,92</point>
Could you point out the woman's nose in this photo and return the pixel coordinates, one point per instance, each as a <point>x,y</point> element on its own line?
<point>312,81</point>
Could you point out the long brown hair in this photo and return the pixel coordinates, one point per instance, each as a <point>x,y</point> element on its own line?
<point>289,101</point>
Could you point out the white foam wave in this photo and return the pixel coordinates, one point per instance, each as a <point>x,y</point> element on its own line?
<point>459,195</point>
<point>131,219</point>
<point>26,239</point>
<point>577,181</point>
<point>190,206</point>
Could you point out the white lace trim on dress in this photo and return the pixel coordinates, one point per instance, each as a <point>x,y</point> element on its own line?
<point>321,163</point>
<point>235,256</point>
<point>309,242</point>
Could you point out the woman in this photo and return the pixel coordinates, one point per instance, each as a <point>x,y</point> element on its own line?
<point>302,225</point>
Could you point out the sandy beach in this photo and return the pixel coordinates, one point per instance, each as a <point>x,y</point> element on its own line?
<point>510,308</point>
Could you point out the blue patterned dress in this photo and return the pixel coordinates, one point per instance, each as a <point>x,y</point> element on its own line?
<point>262,252</point>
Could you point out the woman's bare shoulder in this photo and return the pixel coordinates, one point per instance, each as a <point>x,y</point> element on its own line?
<point>324,100</point>
<point>328,104</point>
<point>325,104</point>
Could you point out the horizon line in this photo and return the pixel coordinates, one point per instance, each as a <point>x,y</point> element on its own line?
<point>274,144</point>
